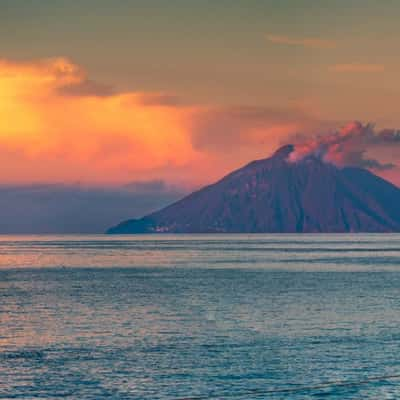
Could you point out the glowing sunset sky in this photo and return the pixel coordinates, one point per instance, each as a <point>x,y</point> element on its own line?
<point>110,92</point>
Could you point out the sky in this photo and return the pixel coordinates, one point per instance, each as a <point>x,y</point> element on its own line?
<point>103,95</point>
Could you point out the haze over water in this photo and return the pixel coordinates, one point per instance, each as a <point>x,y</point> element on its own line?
<point>168,317</point>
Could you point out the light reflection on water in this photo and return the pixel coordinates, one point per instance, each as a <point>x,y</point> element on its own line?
<point>163,317</point>
<point>310,252</point>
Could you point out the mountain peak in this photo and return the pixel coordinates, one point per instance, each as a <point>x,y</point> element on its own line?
<point>273,195</point>
<point>284,151</point>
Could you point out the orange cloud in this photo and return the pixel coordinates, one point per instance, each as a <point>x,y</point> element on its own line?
<point>304,42</point>
<point>54,125</point>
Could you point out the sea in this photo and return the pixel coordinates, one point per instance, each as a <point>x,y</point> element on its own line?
<point>199,317</point>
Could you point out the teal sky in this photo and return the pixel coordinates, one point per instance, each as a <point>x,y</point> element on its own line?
<point>218,52</point>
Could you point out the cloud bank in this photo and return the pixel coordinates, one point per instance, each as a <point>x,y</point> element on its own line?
<point>58,124</point>
<point>76,208</point>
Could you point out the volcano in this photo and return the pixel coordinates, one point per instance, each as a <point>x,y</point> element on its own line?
<point>275,195</point>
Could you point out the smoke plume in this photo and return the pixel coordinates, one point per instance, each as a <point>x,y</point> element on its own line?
<point>348,146</point>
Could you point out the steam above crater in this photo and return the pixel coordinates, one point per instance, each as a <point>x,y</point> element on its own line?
<point>348,146</point>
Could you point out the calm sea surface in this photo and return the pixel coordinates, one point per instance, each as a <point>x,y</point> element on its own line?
<point>202,316</point>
